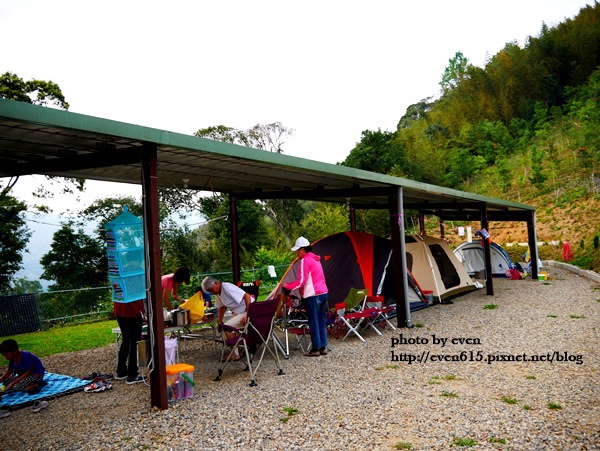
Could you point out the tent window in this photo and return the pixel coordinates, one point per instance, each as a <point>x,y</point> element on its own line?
<point>450,277</point>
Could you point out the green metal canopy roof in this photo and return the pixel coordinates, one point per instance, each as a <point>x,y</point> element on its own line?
<point>41,140</point>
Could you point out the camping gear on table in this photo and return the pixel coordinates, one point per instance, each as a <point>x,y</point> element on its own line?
<point>180,317</point>
<point>196,307</point>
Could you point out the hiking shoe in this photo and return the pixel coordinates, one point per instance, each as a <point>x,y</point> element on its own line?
<point>4,413</point>
<point>120,378</point>
<point>98,386</point>
<point>315,353</point>
<point>91,376</point>
<point>135,380</point>
<point>96,376</point>
<point>39,405</point>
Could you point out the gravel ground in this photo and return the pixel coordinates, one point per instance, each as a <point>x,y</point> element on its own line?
<point>357,397</point>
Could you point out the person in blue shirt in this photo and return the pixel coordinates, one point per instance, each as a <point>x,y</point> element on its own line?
<point>25,370</point>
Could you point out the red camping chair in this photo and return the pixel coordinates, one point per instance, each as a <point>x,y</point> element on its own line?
<point>352,313</point>
<point>382,319</point>
<point>251,288</point>
<point>297,323</point>
<point>335,327</point>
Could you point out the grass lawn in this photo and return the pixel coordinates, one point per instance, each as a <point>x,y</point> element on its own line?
<point>65,338</point>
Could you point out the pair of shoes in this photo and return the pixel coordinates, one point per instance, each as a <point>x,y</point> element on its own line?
<point>135,380</point>
<point>323,351</point>
<point>39,405</point>
<point>312,354</point>
<point>120,378</point>
<point>98,386</point>
<point>4,413</point>
<point>96,376</point>
<point>91,376</point>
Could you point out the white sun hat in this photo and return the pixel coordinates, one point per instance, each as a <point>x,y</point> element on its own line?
<point>300,242</point>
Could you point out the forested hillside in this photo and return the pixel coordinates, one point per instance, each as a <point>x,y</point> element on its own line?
<point>525,128</point>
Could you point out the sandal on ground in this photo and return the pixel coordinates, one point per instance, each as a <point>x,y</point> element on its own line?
<point>230,358</point>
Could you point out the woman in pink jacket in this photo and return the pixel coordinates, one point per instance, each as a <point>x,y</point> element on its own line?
<point>311,282</point>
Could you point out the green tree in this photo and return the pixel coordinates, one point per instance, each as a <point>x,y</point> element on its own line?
<point>285,214</point>
<point>106,209</point>
<point>251,230</point>
<point>269,137</point>
<point>182,247</point>
<point>179,245</point>
<point>416,112</point>
<point>376,222</point>
<point>504,174</point>
<point>14,236</point>
<point>376,151</point>
<point>326,219</point>
<point>24,286</point>
<point>455,72</point>
<point>44,93</point>
<point>265,257</point>
<point>38,92</point>
<point>75,260</point>
<point>537,177</point>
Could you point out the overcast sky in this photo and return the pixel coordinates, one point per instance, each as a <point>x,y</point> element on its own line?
<point>327,69</point>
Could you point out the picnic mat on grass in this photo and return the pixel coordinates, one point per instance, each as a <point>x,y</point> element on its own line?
<point>56,385</point>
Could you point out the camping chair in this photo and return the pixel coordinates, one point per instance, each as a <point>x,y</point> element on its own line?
<point>352,312</point>
<point>335,327</point>
<point>296,323</point>
<point>253,339</point>
<point>292,318</point>
<point>383,311</point>
<point>251,288</point>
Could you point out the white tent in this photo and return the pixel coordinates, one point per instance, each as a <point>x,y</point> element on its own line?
<point>435,266</point>
<point>472,256</point>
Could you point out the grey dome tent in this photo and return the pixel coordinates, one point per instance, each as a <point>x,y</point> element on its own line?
<point>470,253</point>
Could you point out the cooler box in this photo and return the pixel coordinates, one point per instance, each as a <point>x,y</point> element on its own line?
<point>180,381</point>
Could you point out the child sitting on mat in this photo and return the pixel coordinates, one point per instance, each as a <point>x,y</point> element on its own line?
<point>25,370</point>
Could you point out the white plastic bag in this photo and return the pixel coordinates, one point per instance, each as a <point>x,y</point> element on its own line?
<point>170,351</point>
<point>166,315</point>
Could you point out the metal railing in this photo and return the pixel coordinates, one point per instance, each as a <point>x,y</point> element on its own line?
<point>79,305</point>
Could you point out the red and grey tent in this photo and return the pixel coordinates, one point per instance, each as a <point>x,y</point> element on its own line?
<point>356,260</point>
